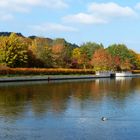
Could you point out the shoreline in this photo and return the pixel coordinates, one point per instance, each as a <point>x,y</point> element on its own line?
<point>49,78</point>
<point>55,77</point>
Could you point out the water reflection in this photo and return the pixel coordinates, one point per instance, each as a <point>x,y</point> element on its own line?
<point>68,110</point>
<point>57,98</point>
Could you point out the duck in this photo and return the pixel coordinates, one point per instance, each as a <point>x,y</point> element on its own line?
<point>103,118</point>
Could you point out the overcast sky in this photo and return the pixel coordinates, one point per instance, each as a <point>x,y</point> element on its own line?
<point>78,21</point>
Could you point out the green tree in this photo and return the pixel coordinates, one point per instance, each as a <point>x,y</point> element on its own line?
<point>90,47</point>
<point>127,57</point>
<point>46,56</point>
<point>87,51</point>
<point>13,51</point>
<point>120,50</point>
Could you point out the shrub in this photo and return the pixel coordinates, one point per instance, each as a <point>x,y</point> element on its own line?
<point>37,71</point>
<point>136,71</point>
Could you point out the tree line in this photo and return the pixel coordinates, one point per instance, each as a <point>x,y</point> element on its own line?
<point>38,52</point>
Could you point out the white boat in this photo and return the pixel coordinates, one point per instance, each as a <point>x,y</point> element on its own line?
<point>124,74</point>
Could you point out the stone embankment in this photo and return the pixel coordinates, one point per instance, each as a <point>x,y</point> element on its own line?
<point>56,77</point>
<point>49,78</point>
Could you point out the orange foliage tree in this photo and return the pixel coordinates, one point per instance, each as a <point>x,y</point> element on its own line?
<point>101,60</point>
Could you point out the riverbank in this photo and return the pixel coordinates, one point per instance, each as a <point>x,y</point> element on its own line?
<point>49,78</point>
<point>54,77</point>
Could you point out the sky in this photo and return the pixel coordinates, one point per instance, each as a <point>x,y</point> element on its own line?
<point>78,21</point>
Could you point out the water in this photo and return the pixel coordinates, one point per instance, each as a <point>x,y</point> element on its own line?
<point>71,110</point>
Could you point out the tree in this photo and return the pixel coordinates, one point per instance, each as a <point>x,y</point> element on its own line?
<point>138,61</point>
<point>90,47</point>
<point>13,51</point>
<point>62,53</point>
<point>120,50</point>
<point>87,51</point>
<point>126,65</point>
<point>53,53</point>
<point>33,61</point>
<point>42,52</point>
<point>116,63</point>
<point>127,57</point>
<point>134,59</point>
<point>101,60</point>
<point>46,56</point>
<point>76,58</point>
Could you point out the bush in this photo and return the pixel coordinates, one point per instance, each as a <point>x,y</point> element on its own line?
<point>136,71</point>
<point>37,71</point>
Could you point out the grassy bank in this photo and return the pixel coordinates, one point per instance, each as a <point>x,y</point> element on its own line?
<point>38,71</point>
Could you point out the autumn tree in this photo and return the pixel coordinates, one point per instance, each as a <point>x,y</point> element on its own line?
<point>101,60</point>
<point>126,65</point>
<point>33,61</point>
<point>115,63</point>
<point>13,51</point>
<point>62,52</point>
<point>42,52</point>
<point>138,61</point>
<point>87,51</point>
<point>53,53</point>
<point>76,58</point>
<point>128,58</point>
<point>134,59</point>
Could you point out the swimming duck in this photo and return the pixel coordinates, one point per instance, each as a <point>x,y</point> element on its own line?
<point>103,118</point>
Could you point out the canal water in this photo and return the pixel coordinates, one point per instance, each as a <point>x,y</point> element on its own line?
<point>71,110</point>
